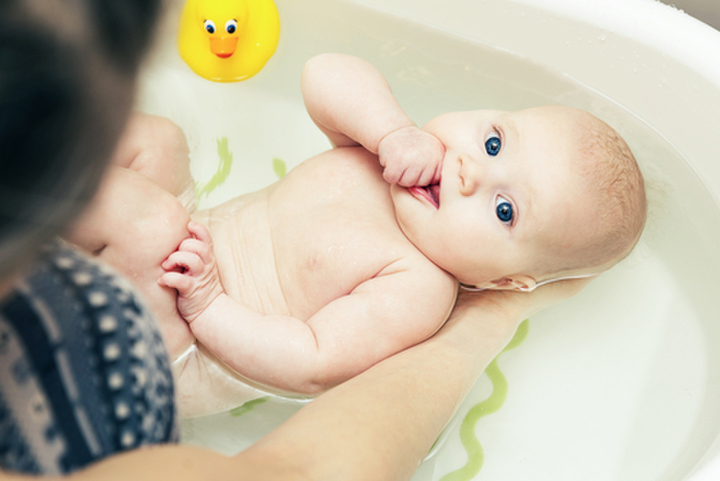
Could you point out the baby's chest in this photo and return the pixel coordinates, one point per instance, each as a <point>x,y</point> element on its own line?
<point>332,258</point>
<point>333,228</point>
<point>336,256</point>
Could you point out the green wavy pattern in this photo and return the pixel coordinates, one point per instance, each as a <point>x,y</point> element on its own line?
<point>248,406</point>
<point>226,160</point>
<point>475,452</point>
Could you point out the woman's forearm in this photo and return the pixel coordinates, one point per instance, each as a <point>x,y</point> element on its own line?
<point>378,425</point>
<point>382,423</point>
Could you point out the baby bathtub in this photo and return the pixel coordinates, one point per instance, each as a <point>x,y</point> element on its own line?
<point>621,382</point>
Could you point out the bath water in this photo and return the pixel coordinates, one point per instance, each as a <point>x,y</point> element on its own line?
<point>468,434</point>
<point>613,384</point>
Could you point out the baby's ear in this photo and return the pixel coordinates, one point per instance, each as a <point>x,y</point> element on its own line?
<point>515,283</point>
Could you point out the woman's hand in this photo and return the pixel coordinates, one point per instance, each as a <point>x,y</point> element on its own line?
<point>518,304</point>
<point>485,321</point>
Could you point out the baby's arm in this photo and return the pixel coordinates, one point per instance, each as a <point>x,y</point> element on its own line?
<point>380,317</point>
<point>352,103</point>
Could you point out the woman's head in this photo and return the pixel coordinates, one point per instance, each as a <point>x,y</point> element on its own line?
<point>67,75</point>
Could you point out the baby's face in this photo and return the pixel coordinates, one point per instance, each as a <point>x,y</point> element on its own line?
<point>508,191</point>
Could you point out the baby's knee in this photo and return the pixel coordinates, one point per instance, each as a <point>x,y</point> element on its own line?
<point>138,220</point>
<point>156,147</point>
<point>165,218</point>
<point>157,127</point>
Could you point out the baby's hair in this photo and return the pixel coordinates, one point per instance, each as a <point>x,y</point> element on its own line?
<point>67,75</point>
<point>609,173</point>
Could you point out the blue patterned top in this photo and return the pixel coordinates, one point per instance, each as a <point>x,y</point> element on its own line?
<point>83,370</point>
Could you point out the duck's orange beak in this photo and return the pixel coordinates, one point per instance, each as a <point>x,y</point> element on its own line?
<point>223,47</point>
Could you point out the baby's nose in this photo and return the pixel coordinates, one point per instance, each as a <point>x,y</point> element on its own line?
<point>469,175</point>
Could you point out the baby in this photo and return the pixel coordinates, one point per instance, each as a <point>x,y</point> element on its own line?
<point>358,253</point>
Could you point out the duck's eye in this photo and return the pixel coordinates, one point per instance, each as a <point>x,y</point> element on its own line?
<point>492,144</point>
<point>231,26</point>
<point>504,210</point>
<point>209,26</point>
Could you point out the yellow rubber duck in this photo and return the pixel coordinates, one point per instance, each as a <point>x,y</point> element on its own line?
<point>228,40</point>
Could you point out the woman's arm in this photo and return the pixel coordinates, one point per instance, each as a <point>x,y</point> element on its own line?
<point>378,425</point>
<point>382,423</point>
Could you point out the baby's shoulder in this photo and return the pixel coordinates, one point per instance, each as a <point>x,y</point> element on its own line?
<point>417,291</point>
<point>422,275</point>
<point>350,177</point>
<point>356,159</point>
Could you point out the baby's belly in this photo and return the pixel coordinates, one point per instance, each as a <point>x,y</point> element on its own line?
<point>244,252</point>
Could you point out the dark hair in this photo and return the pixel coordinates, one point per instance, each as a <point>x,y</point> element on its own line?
<point>124,28</point>
<point>65,93</point>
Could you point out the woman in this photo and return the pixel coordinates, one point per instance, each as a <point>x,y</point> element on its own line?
<point>83,372</point>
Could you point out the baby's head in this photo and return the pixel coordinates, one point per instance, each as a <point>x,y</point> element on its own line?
<point>526,197</point>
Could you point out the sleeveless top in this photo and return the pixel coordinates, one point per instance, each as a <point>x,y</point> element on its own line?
<point>84,372</point>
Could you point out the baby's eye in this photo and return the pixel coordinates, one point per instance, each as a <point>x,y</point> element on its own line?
<point>504,210</point>
<point>209,26</point>
<point>231,26</point>
<point>493,144</point>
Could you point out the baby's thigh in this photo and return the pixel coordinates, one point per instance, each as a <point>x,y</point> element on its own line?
<point>133,223</point>
<point>144,228</point>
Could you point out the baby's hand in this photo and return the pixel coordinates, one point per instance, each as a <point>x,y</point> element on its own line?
<point>192,270</point>
<point>411,157</point>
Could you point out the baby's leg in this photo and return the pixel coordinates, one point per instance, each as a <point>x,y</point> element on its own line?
<point>136,220</point>
<point>156,147</point>
<point>133,224</point>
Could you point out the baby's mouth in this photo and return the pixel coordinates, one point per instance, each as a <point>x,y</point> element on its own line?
<point>431,193</point>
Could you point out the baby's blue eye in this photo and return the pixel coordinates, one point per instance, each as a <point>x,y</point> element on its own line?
<point>231,26</point>
<point>504,210</point>
<point>493,144</point>
<point>209,26</point>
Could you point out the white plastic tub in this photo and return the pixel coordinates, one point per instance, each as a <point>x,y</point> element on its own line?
<point>619,383</point>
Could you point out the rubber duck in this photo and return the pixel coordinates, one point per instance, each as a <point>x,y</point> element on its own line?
<point>228,40</point>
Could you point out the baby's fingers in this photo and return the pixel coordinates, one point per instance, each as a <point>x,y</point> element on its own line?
<point>198,248</point>
<point>200,232</point>
<point>408,177</point>
<point>185,262</point>
<point>417,175</point>
<point>176,280</point>
<point>393,173</point>
<point>430,176</point>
